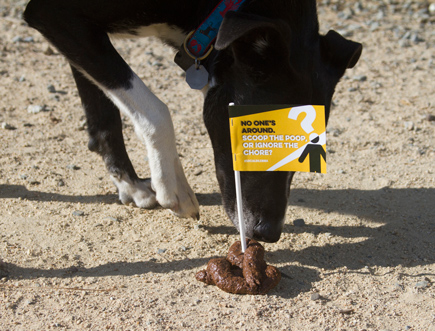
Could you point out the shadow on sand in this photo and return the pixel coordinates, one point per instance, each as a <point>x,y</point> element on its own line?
<point>405,216</point>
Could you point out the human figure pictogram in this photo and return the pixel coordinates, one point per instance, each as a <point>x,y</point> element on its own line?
<point>315,151</point>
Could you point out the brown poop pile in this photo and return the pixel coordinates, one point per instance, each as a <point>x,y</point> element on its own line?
<point>241,273</point>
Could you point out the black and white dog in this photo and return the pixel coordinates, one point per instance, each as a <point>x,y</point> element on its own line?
<point>266,52</point>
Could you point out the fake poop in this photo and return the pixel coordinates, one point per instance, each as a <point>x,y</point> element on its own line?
<point>241,273</point>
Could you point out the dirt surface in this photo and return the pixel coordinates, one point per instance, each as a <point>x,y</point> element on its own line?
<point>72,257</point>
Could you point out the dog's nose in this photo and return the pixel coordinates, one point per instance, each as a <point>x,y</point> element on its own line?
<point>267,232</point>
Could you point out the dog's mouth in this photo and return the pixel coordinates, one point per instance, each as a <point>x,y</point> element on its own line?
<point>267,233</point>
<point>261,230</point>
<point>265,201</point>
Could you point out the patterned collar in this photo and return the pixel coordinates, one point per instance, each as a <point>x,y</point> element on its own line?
<point>201,40</point>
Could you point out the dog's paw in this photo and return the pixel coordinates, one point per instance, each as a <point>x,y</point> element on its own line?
<point>176,194</point>
<point>182,203</point>
<point>138,192</point>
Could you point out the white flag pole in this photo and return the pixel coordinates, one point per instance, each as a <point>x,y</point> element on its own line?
<point>240,206</point>
<point>240,210</point>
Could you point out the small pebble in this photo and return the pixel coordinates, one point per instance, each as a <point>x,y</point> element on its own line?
<point>51,88</point>
<point>422,284</point>
<point>161,250</point>
<point>49,51</point>
<point>430,117</point>
<point>315,296</point>
<point>60,183</point>
<point>404,43</point>
<point>415,38</point>
<point>82,125</point>
<point>346,311</point>
<point>34,182</point>
<point>374,26</point>
<point>78,213</point>
<point>197,172</point>
<point>380,15</point>
<point>34,109</point>
<point>409,125</point>
<point>30,302</point>
<point>360,78</point>
<point>72,167</point>
<point>396,287</point>
<point>7,126</point>
<point>299,222</point>
<point>18,39</point>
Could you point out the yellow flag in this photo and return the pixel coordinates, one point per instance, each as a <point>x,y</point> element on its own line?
<point>278,138</point>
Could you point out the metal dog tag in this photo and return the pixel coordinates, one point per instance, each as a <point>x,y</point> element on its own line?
<point>197,77</point>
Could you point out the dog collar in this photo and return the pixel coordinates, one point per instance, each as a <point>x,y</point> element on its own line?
<point>202,39</point>
<point>199,43</point>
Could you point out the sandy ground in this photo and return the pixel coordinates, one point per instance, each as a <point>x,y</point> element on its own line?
<point>73,258</point>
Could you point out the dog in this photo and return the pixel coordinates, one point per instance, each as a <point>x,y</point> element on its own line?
<point>265,52</point>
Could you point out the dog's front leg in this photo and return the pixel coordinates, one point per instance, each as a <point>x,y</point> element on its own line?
<point>154,126</point>
<point>86,45</point>
<point>105,138</point>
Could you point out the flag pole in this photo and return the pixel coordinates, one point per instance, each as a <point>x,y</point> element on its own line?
<point>240,210</point>
<point>240,206</point>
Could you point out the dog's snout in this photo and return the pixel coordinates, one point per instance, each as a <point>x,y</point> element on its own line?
<point>267,232</point>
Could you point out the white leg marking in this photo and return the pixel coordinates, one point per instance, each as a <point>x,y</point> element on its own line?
<point>153,124</point>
